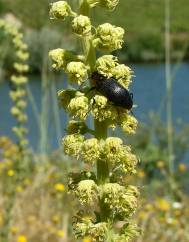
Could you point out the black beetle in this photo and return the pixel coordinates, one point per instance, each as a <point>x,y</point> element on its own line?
<point>112,90</point>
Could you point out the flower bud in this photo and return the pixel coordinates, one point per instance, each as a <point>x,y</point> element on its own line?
<point>21,67</point>
<point>21,104</point>
<point>76,127</point>
<point>111,193</point>
<point>102,110</point>
<point>87,191</point>
<point>109,4</point>
<point>19,80</point>
<point>129,162</point>
<point>61,58</point>
<point>109,37</point>
<point>15,111</point>
<point>22,55</point>
<point>98,231</point>
<point>79,106</point>
<point>90,150</point>
<point>105,64</point>
<point>77,72</point>
<point>120,200</point>
<point>129,124</point>
<point>64,97</point>
<point>15,95</point>
<point>60,10</point>
<point>81,229</point>
<point>72,144</point>
<point>122,74</point>
<point>113,149</point>
<point>18,42</point>
<point>19,131</point>
<point>81,25</point>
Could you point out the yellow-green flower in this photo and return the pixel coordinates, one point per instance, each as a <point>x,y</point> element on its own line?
<point>60,10</point>
<point>90,150</point>
<point>19,80</point>
<point>102,110</point>
<point>129,124</point>
<point>105,64</point>
<point>87,191</point>
<point>109,37</point>
<point>109,4</point>
<point>123,74</point>
<point>77,72</point>
<point>81,25</point>
<point>113,150</point>
<point>61,58</point>
<point>76,127</point>
<point>72,144</point>
<point>79,106</point>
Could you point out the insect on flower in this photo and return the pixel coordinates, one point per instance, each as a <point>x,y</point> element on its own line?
<point>111,89</point>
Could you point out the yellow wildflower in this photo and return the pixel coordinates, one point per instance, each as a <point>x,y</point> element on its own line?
<point>1,220</point>
<point>19,189</point>
<point>87,239</point>
<point>22,238</point>
<point>10,172</point>
<point>56,219</point>
<point>60,233</point>
<point>160,164</point>
<point>163,205</point>
<point>141,174</point>
<point>182,167</point>
<point>14,229</point>
<point>59,187</point>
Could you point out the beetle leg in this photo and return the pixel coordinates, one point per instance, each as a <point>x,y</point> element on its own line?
<point>90,108</point>
<point>81,86</point>
<point>131,95</point>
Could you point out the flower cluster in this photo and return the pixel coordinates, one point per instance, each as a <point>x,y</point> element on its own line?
<point>81,25</point>
<point>107,4</point>
<point>109,37</point>
<point>108,65</point>
<point>97,232</point>
<point>19,81</point>
<point>91,150</point>
<point>60,10</point>
<point>102,195</point>
<point>87,192</point>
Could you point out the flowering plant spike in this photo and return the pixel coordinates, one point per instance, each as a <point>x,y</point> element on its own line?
<point>18,83</point>
<point>107,200</point>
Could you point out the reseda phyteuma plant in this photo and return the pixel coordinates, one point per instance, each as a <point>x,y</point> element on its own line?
<point>18,80</point>
<point>105,197</point>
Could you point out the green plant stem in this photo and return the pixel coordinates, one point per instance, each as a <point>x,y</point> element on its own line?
<point>169,87</point>
<point>100,127</point>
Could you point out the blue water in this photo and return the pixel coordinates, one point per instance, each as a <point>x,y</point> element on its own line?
<point>149,94</point>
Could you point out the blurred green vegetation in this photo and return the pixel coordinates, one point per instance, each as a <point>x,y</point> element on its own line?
<point>143,21</point>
